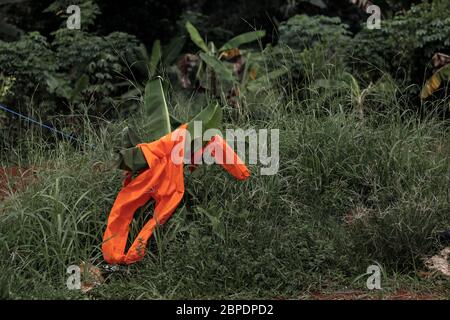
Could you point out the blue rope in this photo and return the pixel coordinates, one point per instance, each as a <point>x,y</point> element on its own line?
<point>44,125</point>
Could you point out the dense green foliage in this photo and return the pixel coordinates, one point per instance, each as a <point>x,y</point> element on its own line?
<point>302,31</point>
<point>364,163</point>
<point>349,193</point>
<point>104,68</point>
<point>47,72</point>
<point>406,43</point>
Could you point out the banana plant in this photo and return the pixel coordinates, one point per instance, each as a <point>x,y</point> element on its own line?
<point>442,73</point>
<point>150,65</point>
<point>222,68</point>
<point>161,122</point>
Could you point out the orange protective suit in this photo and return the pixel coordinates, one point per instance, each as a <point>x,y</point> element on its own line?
<point>164,182</point>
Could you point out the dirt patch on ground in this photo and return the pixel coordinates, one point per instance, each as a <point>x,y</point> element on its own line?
<point>15,179</point>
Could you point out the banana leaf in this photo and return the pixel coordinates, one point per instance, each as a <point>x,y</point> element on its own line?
<point>318,3</point>
<point>132,159</point>
<point>221,71</point>
<point>175,122</point>
<point>196,37</point>
<point>173,49</point>
<point>129,138</point>
<point>141,65</point>
<point>434,83</point>
<point>155,58</point>
<point>241,39</point>
<point>211,117</point>
<point>155,107</point>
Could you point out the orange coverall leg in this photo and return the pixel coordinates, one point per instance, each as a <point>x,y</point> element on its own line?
<point>163,182</point>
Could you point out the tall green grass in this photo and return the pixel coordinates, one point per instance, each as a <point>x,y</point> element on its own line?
<point>350,192</point>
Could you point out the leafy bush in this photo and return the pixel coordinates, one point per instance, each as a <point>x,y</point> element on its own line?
<point>405,43</point>
<point>28,60</point>
<point>302,31</point>
<point>225,70</point>
<point>101,59</point>
<point>309,48</point>
<point>48,72</point>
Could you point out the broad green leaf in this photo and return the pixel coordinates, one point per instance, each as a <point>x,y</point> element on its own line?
<point>132,159</point>
<point>212,50</point>
<point>155,58</point>
<point>243,39</point>
<point>173,49</point>
<point>129,138</point>
<point>196,37</point>
<point>155,107</point>
<point>175,122</point>
<point>142,51</point>
<point>141,65</point>
<point>318,3</point>
<point>211,118</point>
<point>222,72</point>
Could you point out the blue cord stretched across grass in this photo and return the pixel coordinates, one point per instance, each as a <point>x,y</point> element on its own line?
<point>43,125</point>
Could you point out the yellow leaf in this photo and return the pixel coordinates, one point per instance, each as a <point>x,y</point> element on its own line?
<point>431,86</point>
<point>253,74</point>
<point>230,54</point>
